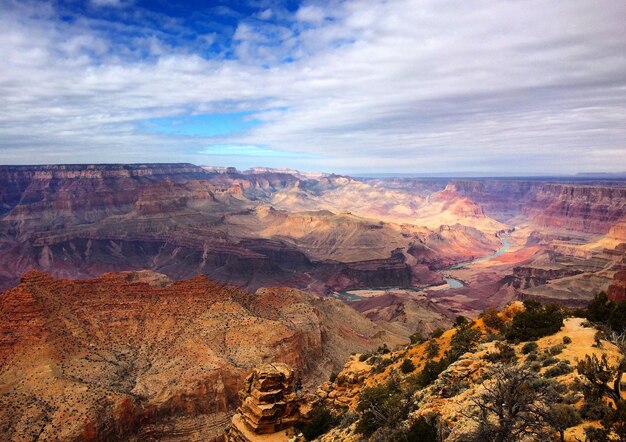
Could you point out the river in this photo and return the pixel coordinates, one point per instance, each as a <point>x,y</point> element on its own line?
<point>351,295</point>
<point>457,284</point>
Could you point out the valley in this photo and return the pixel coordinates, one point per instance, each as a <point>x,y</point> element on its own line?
<point>137,298</point>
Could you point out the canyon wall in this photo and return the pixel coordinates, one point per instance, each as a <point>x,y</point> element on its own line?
<point>112,357</point>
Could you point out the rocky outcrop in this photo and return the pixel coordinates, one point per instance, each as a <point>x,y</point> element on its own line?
<point>270,404</point>
<point>133,356</point>
<point>617,289</point>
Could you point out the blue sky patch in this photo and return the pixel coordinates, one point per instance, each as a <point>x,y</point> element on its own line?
<point>208,125</point>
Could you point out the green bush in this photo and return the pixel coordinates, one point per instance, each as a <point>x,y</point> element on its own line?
<point>381,364</point>
<point>550,360</point>
<point>407,366</point>
<point>364,357</point>
<point>529,347</point>
<point>535,322</point>
<point>437,333</point>
<point>423,431</point>
<point>416,338</point>
<point>563,367</point>
<point>465,339</point>
<point>556,349</point>
<point>567,340</point>
<point>432,349</point>
<point>321,421</point>
<point>460,320</point>
<point>491,319</point>
<point>532,356</point>
<point>333,377</point>
<point>505,353</point>
<point>535,366</point>
<point>431,370</point>
<point>383,350</point>
<point>380,406</point>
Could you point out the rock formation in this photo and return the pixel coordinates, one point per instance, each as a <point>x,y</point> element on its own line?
<point>131,356</point>
<point>617,289</point>
<point>270,403</point>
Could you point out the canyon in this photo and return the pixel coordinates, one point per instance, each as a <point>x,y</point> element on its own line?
<point>139,298</point>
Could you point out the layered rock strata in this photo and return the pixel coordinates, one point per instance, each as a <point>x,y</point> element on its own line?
<point>270,404</point>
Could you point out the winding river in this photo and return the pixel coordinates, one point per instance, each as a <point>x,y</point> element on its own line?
<point>455,283</point>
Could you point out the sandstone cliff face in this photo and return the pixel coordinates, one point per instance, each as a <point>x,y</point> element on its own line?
<point>115,358</point>
<point>617,289</point>
<point>590,209</point>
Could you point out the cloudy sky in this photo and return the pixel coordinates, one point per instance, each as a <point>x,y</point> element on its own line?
<point>419,86</point>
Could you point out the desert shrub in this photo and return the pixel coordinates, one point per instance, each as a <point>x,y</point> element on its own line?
<point>556,349</point>
<point>491,336</point>
<point>535,322</point>
<point>381,406</point>
<point>492,319</point>
<point>460,320</point>
<point>465,339</point>
<point>535,366</point>
<point>383,349</point>
<point>517,405</point>
<point>332,377</point>
<point>594,410</point>
<point>615,420</point>
<point>617,321</point>
<point>529,347</point>
<point>505,353</point>
<point>567,340</point>
<point>423,430</point>
<point>550,360</point>
<point>602,310</point>
<point>561,417</point>
<point>347,419</point>
<point>432,349</point>
<point>374,360</point>
<point>437,332</point>
<point>416,338</point>
<point>364,357</point>
<point>453,389</point>
<point>593,434</point>
<point>431,370</point>
<point>532,356</point>
<point>381,364</point>
<point>407,366</point>
<point>321,421</point>
<point>563,367</point>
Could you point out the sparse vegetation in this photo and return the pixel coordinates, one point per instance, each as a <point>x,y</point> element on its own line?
<point>416,338</point>
<point>535,322</point>
<point>529,347</point>
<point>407,366</point>
<point>505,353</point>
<point>437,333</point>
<point>321,421</point>
<point>432,349</point>
<point>492,319</point>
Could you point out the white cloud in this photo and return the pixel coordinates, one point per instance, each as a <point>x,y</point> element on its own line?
<point>532,86</point>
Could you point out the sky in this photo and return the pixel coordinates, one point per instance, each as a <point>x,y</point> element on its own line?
<point>502,87</point>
